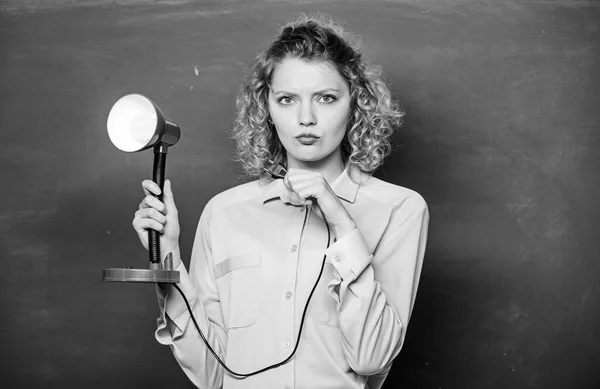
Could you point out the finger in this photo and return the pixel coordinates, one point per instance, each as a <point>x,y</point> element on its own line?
<point>291,181</point>
<point>151,188</point>
<point>314,193</point>
<point>300,197</point>
<point>141,225</point>
<point>305,178</point>
<point>295,178</point>
<point>152,202</point>
<point>168,196</point>
<point>296,199</point>
<point>287,184</point>
<point>151,213</point>
<point>309,188</point>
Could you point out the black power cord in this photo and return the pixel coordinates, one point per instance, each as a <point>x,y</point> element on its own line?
<point>244,375</point>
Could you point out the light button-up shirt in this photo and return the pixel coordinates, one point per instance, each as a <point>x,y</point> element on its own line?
<point>255,260</point>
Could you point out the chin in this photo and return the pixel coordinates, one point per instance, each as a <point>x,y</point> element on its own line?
<point>311,154</point>
<point>308,156</point>
<point>308,159</point>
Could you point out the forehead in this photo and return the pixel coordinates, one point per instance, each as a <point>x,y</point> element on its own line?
<point>304,74</point>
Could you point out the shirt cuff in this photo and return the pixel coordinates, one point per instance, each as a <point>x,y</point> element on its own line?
<point>171,304</point>
<point>350,255</point>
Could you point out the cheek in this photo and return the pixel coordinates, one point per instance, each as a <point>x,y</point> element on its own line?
<point>280,118</point>
<point>281,135</point>
<point>341,123</point>
<point>281,128</point>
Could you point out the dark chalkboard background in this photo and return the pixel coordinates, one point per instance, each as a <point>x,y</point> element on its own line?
<point>501,139</point>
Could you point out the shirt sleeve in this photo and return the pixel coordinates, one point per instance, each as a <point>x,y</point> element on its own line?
<point>375,292</point>
<point>175,327</point>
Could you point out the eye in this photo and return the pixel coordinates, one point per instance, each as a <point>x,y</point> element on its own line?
<point>285,100</point>
<point>328,99</point>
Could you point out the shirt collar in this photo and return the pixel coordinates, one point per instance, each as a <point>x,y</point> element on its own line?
<point>345,186</point>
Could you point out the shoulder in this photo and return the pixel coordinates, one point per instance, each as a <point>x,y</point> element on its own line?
<point>394,195</point>
<point>236,195</point>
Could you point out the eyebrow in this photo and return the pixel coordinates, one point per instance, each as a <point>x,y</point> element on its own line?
<point>321,91</point>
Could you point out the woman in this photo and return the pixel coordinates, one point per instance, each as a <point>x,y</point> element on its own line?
<point>312,104</point>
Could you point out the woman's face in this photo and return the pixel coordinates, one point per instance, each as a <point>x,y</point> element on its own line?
<point>309,104</point>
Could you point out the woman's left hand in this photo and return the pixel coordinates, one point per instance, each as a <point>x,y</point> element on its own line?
<point>312,188</point>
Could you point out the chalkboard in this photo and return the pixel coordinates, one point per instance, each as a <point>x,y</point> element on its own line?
<point>501,139</point>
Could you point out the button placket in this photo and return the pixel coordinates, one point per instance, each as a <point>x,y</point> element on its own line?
<point>289,277</point>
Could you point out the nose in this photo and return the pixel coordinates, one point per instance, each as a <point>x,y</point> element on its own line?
<point>307,115</point>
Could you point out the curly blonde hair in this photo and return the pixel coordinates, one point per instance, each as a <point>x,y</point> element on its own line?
<point>374,113</point>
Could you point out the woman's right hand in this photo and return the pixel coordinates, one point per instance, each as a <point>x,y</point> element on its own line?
<point>158,215</point>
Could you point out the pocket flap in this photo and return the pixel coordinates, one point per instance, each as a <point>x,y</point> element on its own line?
<point>236,262</point>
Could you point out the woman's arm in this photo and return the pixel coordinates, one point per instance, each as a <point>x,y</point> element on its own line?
<point>175,327</point>
<point>375,292</point>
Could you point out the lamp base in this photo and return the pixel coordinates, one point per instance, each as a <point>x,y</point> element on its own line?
<point>140,275</point>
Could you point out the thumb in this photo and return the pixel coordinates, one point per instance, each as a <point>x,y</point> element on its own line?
<point>168,197</point>
<point>287,184</point>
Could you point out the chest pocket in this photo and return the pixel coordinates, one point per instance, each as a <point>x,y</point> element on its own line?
<point>238,279</point>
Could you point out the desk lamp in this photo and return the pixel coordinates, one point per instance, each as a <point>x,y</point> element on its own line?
<point>134,124</point>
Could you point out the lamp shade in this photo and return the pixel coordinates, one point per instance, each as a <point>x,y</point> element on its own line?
<point>135,123</point>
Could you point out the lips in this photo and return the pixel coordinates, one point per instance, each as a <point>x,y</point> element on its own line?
<point>307,139</point>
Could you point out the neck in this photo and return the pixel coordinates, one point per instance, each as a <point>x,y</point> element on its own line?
<point>330,167</point>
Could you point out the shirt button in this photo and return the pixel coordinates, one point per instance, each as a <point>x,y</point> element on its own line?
<point>294,248</point>
<point>288,295</point>
<point>286,344</point>
<point>337,258</point>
